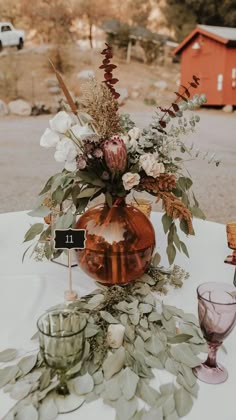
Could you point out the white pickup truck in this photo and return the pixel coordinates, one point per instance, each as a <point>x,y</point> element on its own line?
<point>11,37</point>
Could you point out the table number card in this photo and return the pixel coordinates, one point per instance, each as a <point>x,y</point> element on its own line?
<point>69,239</point>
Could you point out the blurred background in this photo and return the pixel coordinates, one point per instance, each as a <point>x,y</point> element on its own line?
<point>71,33</point>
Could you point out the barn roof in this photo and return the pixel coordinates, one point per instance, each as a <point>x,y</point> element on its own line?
<point>221,34</point>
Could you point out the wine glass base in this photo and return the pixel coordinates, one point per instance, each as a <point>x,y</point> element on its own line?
<point>67,403</point>
<point>211,375</point>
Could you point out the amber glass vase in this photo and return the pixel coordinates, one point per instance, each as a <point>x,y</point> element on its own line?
<point>119,243</point>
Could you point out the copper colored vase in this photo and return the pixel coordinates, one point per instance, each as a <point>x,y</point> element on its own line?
<point>119,243</point>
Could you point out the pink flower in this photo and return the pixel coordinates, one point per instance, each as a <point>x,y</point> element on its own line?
<point>81,163</point>
<point>115,154</point>
<point>98,153</point>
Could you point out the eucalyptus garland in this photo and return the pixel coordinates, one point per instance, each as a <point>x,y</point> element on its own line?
<point>156,336</point>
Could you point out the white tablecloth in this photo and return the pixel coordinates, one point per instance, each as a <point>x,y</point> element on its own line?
<point>26,290</point>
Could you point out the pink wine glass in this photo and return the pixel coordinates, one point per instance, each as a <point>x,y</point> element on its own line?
<point>217,317</point>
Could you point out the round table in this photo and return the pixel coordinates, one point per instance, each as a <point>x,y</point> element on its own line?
<point>28,289</point>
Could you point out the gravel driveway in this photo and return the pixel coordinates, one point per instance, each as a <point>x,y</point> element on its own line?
<point>25,166</point>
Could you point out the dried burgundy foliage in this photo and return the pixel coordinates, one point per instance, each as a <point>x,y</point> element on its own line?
<point>174,108</point>
<point>108,67</point>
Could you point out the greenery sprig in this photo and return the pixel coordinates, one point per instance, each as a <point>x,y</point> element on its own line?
<point>157,336</point>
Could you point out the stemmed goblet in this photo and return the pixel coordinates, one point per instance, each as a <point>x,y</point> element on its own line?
<point>61,340</point>
<point>217,317</point>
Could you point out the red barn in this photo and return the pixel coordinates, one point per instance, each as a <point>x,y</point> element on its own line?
<point>209,52</point>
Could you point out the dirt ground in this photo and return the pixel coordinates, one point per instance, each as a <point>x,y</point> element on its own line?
<point>25,166</point>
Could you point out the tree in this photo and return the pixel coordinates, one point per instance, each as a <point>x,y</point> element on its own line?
<point>183,15</point>
<point>94,11</point>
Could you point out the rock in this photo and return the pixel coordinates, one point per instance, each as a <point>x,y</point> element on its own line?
<point>54,90</point>
<point>228,108</point>
<point>134,94</point>
<point>123,95</point>
<point>161,84</point>
<point>20,107</point>
<point>85,74</point>
<point>3,109</point>
<point>52,82</point>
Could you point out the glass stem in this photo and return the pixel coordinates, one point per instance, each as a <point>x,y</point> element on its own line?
<point>62,388</point>
<point>212,350</point>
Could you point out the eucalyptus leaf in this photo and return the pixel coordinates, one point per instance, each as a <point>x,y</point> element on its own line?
<point>154,345</point>
<point>27,363</point>
<point>169,405</point>
<point>7,374</point>
<point>166,221</point>
<point>83,384</point>
<point>48,409</point>
<point>135,318</point>
<point>108,317</point>
<point>28,412</point>
<point>114,363</point>
<point>191,389</point>
<point>153,414</point>
<point>168,388</point>
<point>98,377</point>
<point>128,382</point>
<point>183,402</point>
<point>179,338</point>
<point>169,325</point>
<point>154,316</point>
<point>45,379</point>
<point>172,416</point>
<point>147,393</point>
<point>20,390</point>
<point>65,221</point>
<point>145,308</point>
<point>95,301</point>
<point>33,231</point>
<point>7,355</point>
<point>88,192</point>
<point>153,362</point>
<point>112,389</point>
<point>91,330</point>
<point>156,259</point>
<point>41,211</point>
<point>183,354</point>
<point>125,409</point>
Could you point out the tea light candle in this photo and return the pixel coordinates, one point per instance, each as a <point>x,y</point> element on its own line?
<point>231,234</point>
<point>115,335</point>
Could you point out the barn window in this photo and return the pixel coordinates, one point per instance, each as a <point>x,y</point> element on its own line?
<point>220,82</point>
<point>234,77</point>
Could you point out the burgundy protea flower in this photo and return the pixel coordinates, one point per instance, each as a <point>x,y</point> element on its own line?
<point>115,154</point>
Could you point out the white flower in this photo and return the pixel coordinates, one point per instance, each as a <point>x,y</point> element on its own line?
<point>134,133</point>
<point>61,122</point>
<point>150,165</point>
<point>81,130</point>
<point>130,180</point>
<point>65,151</point>
<point>71,166</point>
<point>49,138</point>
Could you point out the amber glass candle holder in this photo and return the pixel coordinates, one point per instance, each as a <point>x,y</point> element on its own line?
<point>231,238</point>
<point>143,205</point>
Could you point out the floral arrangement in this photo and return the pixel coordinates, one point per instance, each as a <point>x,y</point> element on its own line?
<point>103,152</point>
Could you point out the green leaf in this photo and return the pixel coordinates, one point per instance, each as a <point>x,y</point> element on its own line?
<point>108,197</point>
<point>58,195</point>
<point>193,390</point>
<point>166,221</point>
<point>184,183</point>
<point>91,330</point>
<point>88,192</point>
<point>98,377</point>
<point>65,221</point>
<point>90,179</point>
<point>41,211</point>
<point>27,363</point>
<point>48,409</point>
<point>154,345</point>
<point>45,379</point>
<point>83,384</point>
<point>108,317</point>
<point>7,374</point>
<point>176,240</point>
<point>197,212</point>
<point>156,259</point>
<point>172,366</point>
<point>7,355</point>
<point>179,338</point>
<point>27,412</point>
<point>184,226</point>
<point>112,389</point>
<point>147,393</point>
<point>184,248</point>
<point>153,414</point>
<point>48,184</point>
<point>20,390</point>
<point>114,363</point>
<point>33,231</point>
<point>183,354</point>
<point>183,402</point>
<point>172,416</point>
<point>171,253</point>
<point>125,409</point>
<point>128,382</point>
